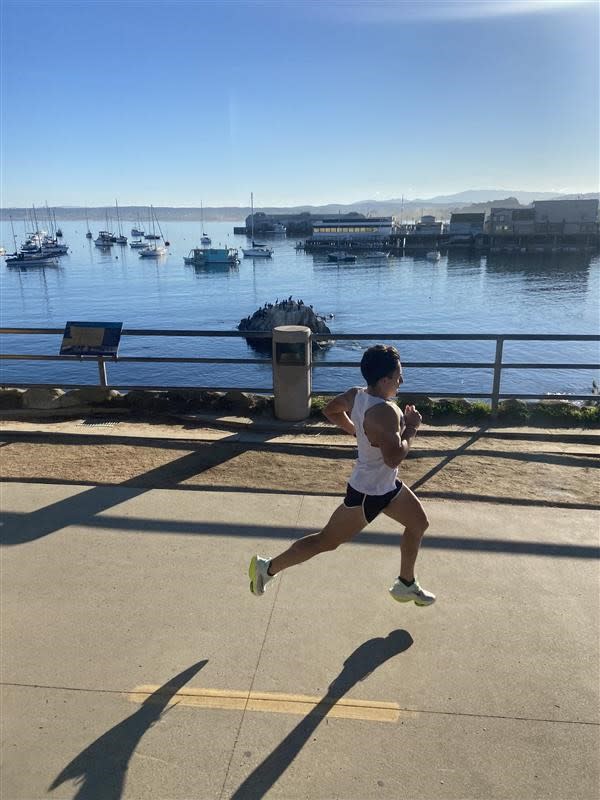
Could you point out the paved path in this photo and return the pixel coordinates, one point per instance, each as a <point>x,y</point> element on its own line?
<point>136,664</point>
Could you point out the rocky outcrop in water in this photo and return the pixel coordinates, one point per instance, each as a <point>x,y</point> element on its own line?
<point>284,312</point>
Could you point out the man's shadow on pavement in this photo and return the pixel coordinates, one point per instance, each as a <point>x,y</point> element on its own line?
<point>364,660</point>
<point>101,768</point>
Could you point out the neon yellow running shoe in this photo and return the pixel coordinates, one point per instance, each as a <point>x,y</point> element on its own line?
<point>259,576</point>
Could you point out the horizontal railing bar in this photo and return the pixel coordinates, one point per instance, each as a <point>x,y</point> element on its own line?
<point>343,364</point>
<point>482,395</point>
<point>150,332</point>
<point>129,359</point>
<point>410,364</point>
<point>144,387</point>
<point>462,365</point>
<point>213,334</point>
<point>542,337</point>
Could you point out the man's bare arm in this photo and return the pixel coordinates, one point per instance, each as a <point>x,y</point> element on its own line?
<point>338,411</point>
<point>382,427</point>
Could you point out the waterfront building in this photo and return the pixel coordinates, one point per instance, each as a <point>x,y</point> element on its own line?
<point>566,216</point>
<point>463,224</point>
<point>352,228</point>
<point>429,226</point>
<point>519,221</point>
<point>266,224</point>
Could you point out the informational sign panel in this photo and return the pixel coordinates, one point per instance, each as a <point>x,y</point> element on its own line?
<point>91,339</point>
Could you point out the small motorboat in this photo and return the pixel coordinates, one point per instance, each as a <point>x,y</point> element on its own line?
<point>31,259</point>
<point>105,239</point>
<point>257,251</point>
<point>433,255</point>
<point>340,256</point>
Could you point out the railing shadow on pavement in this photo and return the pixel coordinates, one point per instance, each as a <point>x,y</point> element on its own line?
<point>358,666</point>
<point>100,770</point>
<point>19,528</point>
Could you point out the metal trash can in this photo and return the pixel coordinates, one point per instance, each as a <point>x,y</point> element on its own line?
<point>292,380</point>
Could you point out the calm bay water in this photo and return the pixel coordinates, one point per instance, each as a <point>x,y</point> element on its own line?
<point>554,293</point>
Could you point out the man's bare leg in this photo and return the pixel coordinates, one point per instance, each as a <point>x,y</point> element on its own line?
<point>343,525</point>
<point>406,509</point>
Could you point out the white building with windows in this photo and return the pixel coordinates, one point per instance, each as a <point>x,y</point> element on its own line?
<point>348,229</point>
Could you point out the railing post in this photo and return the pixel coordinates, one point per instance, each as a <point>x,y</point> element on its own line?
<point>497,375</point>
<point>102,371</point>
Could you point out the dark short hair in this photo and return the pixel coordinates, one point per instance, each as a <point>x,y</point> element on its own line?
<point>379,362</point>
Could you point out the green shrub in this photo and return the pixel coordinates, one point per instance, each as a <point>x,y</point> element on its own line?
<point>318,403</point>
<point>514,410</point>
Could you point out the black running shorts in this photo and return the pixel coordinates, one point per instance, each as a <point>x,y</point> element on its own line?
<point>372,504</point>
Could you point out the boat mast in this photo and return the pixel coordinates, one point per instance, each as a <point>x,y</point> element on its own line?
<point>12,227</point>
<point>35,220</point>
<point>158,223</point>
<point>252,212</point>
<point>118,218</point>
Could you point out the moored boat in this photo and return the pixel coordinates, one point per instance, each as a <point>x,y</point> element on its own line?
<point>202,256</point>
<point>340,256</point>
<point>105,239</point>
<point>257,250</point>
<point>153,251</point>
<point>31,259</point>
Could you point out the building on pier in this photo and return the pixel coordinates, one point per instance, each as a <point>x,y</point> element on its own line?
<point>357,229</point>
<point>566,216</point>
<point>519,221</point>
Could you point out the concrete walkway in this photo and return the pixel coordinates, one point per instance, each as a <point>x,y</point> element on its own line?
<point>136,664</point>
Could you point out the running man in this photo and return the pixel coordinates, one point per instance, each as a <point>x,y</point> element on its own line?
<point>384,436</point>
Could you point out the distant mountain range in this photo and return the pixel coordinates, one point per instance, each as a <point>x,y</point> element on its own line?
<point>441,206</point>
<point>486,195</point>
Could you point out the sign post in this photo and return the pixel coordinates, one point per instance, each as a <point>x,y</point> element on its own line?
<point>97,340</point>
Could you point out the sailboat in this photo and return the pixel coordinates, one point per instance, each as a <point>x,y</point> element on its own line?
<point>120,239</point>
<point>204,239</point>
<point>139,230</point>
<point>257,250</point>
<point>89,234</point>
<point>153,250</point>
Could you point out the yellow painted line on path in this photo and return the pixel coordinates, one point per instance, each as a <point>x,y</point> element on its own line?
<point>273,702</point>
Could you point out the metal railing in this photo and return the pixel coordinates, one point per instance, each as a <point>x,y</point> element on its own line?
<point>494,395</point>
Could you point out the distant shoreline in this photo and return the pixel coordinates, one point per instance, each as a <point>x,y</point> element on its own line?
<point>396,207</point>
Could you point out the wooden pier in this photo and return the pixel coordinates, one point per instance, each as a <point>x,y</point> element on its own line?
<point>485,243</point>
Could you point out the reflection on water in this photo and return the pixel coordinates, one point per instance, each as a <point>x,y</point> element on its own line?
<point>542,272</point>
<point>462,292</point>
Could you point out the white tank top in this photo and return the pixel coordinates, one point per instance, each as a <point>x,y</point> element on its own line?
<point>371,475</point>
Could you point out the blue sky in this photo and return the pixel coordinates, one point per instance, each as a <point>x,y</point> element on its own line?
<point>175,102</point>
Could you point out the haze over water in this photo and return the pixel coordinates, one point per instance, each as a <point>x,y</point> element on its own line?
<point>462,293</point>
